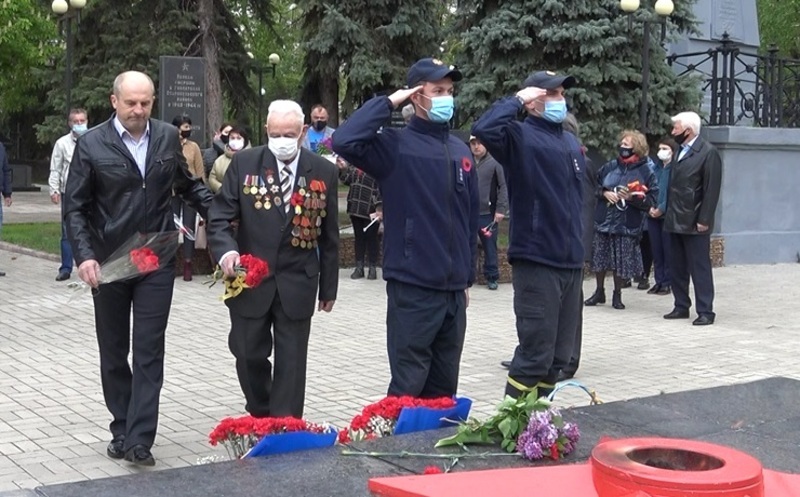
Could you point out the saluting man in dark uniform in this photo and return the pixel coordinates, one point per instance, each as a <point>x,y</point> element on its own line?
<point>430,204</point>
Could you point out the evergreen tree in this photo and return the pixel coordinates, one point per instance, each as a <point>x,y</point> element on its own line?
<point>502,41</point>
<point>369,45</point>
<point>779,25</point>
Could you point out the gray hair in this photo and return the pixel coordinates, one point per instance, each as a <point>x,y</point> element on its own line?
<point>689,120</point>
<point>286,107</point>
<point>570,125</point>
<point>120,79</point>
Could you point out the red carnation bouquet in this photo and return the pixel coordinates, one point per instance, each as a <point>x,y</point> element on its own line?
<point>240,435</point>
<point>141,254</point>
<point>250,272</point>
<point>380,419</point>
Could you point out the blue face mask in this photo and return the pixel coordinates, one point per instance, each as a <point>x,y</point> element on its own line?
<point>441,109</point>
<point>555,111</point>
<point>79,129</point>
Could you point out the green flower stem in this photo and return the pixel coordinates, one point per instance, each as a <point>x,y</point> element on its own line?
<point>403,454</point>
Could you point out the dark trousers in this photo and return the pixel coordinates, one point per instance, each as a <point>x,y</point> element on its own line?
<point>647,254</point>
<point>489,246</point>
<point>691,257</point>
<point>66,249</point>
<point>366,241</point>
<point>189,219</point>
<point>660,245</point>
<point>132,395</point>
<point>424,336</point>
<point>251,341</point>
<point>575,359</point>
<point>547,303</point>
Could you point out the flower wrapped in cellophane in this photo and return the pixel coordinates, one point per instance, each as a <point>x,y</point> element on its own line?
<point>250,272</point>
<point>141,254</point>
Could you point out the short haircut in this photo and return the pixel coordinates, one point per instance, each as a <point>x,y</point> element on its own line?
<point>286,107</point>
<point>77,110</point>
<point>570,125</point>
<point>179,121</point>
<point>317,107</point>
<point>670,142</point>
<point>638,141</point>
<point>689,120</point>
<point>123,76</point>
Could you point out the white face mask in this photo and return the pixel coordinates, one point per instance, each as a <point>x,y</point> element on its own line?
<point>236,144</point>
<point>283,148</point>
<point>664,155</point>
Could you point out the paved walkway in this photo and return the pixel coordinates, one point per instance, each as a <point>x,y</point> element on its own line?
<point>53,424</point>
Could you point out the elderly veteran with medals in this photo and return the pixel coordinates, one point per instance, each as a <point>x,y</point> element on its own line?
<point>284,199</point>
<point>430,203</point>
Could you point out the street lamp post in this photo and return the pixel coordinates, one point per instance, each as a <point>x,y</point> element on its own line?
<point>663,8</point>
<point>69,11</point>
<point>274,59</point>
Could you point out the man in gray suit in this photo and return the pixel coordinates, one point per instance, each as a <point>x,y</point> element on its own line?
<point>284,198</point>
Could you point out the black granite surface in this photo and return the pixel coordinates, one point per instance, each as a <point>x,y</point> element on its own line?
<point>761,418</point>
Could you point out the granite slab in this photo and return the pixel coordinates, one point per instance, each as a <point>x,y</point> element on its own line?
<point>761,418</point>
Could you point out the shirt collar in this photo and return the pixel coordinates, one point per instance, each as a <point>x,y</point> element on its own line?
<point>122,131</point>
<point>689,144</point>
<point>292,165</point>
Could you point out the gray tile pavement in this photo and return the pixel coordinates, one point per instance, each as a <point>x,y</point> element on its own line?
<point>53,424</point>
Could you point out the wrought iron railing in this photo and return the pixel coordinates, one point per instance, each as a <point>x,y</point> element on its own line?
<point>743,88</point>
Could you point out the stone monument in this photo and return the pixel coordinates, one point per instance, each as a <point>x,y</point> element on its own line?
<point>182,91</point>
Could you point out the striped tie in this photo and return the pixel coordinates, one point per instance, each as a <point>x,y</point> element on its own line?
<point>286,186</point>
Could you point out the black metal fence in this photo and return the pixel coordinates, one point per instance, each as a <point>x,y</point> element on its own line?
<point>757,90</point>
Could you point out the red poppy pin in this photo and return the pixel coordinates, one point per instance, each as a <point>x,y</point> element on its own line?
<point>466,164</point>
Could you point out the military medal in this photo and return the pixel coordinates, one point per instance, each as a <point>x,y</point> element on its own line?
<point>278,201</point>
<point>267,205</point>
<point>258,204</point>
<point>295,242</point>
<point>274,189</point>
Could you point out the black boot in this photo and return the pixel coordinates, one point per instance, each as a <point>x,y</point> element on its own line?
<point>598,297</point>
<point>187,270</point>
<point>373,273</point>
<point>616,300</point>
<point>358,273</point>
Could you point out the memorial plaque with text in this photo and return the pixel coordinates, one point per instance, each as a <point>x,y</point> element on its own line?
<point>182,91</point>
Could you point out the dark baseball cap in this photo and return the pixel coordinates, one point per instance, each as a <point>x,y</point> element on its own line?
<point>431,70</point>
<point>548,80</point>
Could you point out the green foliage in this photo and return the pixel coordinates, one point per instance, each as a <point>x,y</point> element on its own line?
<point>45,237</point>
<point>369,45</point>
<point>26,41</point>
<point>504,427</point>
<point>779,25</point>
<point>501,42</point>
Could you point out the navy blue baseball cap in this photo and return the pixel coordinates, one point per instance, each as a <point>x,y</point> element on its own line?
<point>548,80</point>
<point>431,70</point>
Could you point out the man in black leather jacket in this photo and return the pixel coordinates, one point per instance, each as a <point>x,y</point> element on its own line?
<point>121,179</point>
<point>694,189</point>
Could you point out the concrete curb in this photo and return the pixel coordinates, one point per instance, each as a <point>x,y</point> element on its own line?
<point>18,249</point>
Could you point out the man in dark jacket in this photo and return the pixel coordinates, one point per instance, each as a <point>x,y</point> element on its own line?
<point>694,189</point>
<point>545,169</point>
<point>493,207</point>
<point>5,185</point>
<point>430,206</point>
<point>120,183</point>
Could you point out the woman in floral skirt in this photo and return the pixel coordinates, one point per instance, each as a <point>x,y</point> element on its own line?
<point>627,188</point>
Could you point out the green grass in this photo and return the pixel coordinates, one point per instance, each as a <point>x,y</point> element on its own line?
<point>45,237</point>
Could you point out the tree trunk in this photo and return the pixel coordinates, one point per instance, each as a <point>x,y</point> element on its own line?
<point>210,51</point>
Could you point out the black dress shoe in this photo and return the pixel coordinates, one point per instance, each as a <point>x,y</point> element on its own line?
<point>703,320</point>
<point>664,290</point>
<point>644,284</point>
<point>677,314</point>
<point>598,297</point>
<point>140,455</point>
<point>506,364</point>
<point>564,375</point>
<point>654,289</point>
<point>114,449</point>
<point>62,276</point>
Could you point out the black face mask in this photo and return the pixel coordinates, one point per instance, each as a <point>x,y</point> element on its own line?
<point>186,133</point>
<point>320,125</point>
<point>625,152</point>
<point>223,139</point>
<point>681,138</point>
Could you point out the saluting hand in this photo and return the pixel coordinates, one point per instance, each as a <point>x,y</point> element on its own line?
<point>531,94</point>
<point>401,96</point>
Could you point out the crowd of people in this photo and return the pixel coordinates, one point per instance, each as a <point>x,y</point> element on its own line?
<point>564,212</point>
